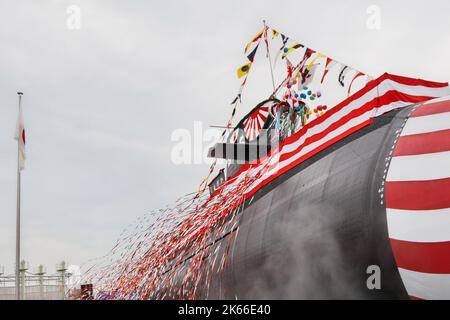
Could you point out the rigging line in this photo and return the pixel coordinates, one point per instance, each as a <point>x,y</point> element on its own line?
<point>268,53</point>
<point>332,58</point>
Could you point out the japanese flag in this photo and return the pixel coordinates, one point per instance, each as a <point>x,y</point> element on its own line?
<point>20,137</point>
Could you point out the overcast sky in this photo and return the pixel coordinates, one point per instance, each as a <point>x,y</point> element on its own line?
<point>101,101</point>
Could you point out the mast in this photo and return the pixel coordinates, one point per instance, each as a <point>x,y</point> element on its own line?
<point>18,213</point>
<point>268,54</point>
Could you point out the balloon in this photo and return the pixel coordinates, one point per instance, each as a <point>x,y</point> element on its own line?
<point>285,49</point>
<point>294,82</point>
<point>309,92</point>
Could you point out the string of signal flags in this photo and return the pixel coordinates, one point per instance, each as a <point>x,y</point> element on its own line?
<point>303,72</point>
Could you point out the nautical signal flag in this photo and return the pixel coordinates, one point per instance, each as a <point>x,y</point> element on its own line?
<point>287,51</point>
<point>275,33</point>
<point>251,55</point>
<point>345,69</point>
<point>310,72</point>
<point>255,38</point>
<point>318,56</point>
<point>328,65</point>
<point>20,137</point>
<point>357,75</point>
<point>284,40</point>
<point>242,71</point>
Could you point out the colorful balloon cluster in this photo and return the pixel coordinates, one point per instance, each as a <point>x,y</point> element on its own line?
<point>319,110</point>
<point>301,96</point>
<point>307,93</point>
<point>298,99</point>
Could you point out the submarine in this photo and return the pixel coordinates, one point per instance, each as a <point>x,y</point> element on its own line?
<point>349,201</point>
<point>366,216</point>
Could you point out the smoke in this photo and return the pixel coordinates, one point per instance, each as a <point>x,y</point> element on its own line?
<point>307,257</point>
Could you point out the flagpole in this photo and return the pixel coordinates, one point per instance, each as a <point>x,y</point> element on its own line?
<point>268,55</point>
<point>18,212</point>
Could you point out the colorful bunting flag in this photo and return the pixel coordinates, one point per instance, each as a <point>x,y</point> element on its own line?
<point>284,40</point>
<point>344,71</point>
<point>328,65</point>
<point>242,71</point>
<point>295,46</point>
<point>309,66</point>
<point>311,72</point>
<point>255,38</point>
<point>358,74</point>
<point>301,66</point>
<point>251,55</point>
<point>275,34</point>
<point>308,53</point>
<point>290,67</point>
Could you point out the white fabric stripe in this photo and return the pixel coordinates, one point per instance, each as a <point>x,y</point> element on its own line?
<point>427,286</point>
<point>419,225</point>
<point>428,166</point>
<point>391,106</point>
<point>354,122</point>
<point>425,124</point>
<point>350,124</point>
<point>438,100</point>
<point>383,88</point>
<point>370,95</point>
<point>389,85</point>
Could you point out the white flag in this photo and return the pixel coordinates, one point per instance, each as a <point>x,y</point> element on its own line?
<point>20,137</point>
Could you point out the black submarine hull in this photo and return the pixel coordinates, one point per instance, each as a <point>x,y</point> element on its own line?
<point>320,230</point>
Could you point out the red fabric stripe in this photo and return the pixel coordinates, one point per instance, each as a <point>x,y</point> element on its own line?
<point>415,82</point>
<point>307,156</point>
<point>437,141</point>
<point>388,97</point>
<point>294,163</point>
<point>263,117</point>
<point>414,298</point>
<point>428,257</point>
<point>371,85</point>
<point>404,97</point>
<point>431,108</point>
<point>342,121</point>
<point>418,195</point>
